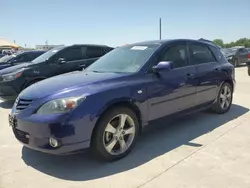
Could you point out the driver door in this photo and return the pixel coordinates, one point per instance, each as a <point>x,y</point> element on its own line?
<point>172,91</point>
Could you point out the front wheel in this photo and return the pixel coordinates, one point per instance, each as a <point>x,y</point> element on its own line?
<point>224,99</point>
<point>115,134</point>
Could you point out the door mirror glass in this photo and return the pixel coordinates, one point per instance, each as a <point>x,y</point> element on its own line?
<point>61,61</point>
<point>163,65</point>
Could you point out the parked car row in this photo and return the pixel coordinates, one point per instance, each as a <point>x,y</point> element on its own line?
<point>107,105</point>
<point>57,61</point>
<point>18,58</point>
<point>237,56</point>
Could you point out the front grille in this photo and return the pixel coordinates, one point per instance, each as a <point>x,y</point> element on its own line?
<point>21,136</point>
<point>22,104</point>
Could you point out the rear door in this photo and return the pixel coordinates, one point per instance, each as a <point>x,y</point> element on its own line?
<point>208,71</point>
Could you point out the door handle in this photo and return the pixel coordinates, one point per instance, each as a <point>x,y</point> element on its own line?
<point>190,75</point>
<point>217,70</point>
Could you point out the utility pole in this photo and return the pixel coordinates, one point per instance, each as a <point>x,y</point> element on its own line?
<point>160,28</point>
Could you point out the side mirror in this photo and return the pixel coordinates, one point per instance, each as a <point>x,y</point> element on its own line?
<point>163,65</point>
<point>61,61</point>
<point>13,61</point>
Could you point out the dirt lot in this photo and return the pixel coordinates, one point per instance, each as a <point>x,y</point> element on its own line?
<point>200,150</point>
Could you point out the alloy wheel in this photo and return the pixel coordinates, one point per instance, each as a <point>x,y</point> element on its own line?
<point>225,97</point>
<point>119,134</point>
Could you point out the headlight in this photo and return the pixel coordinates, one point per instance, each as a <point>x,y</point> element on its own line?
<point>12,76</point>
<point>58,106</point>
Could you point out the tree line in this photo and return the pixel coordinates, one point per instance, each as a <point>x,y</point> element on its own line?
<point>241,42</point>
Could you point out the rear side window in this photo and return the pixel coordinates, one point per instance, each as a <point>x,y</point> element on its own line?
<point>200,54</point>
<point>71,54</point>
<point>94,52</point>
<point>34,55</point>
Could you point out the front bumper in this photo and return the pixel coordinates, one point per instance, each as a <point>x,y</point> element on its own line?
<point>35,135</point>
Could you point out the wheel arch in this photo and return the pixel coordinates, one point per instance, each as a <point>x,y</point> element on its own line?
<point>124,102</point>
<point>32,80</point>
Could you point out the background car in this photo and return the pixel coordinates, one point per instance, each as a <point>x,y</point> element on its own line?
<point>18,58</point>
<point>106,106</point>
<point>54,62</point>
<point>236,56</point>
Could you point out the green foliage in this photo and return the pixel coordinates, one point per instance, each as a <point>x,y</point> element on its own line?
<point>241,42</point>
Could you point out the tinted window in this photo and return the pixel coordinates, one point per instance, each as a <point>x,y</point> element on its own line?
<point>177,54</point>
<point>243,50</point>
<point>22,58</point>
<point>34,55</point>
<point>71,54</point>
<point>200,53</point>
<point>94,52</point>
<point>217,52</point>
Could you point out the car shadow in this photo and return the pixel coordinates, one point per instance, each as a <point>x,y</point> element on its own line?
<point>7,104</point>
<point>154,142</point>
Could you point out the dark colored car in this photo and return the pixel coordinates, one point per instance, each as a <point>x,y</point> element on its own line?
<point>237,56</point>
<point>16,59</point>
<point>106,106</point>
<point>54,62</point>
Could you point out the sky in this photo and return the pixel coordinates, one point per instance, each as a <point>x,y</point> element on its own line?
<point>116,22</point>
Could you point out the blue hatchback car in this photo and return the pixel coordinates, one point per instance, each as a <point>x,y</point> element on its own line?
<point>106,106</point>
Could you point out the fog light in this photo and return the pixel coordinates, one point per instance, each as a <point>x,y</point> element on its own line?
<point>53,142</point>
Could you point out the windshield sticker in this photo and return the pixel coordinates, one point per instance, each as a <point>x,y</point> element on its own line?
<point>139,48</point>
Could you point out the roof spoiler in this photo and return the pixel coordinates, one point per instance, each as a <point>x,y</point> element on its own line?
<point>209,41</point>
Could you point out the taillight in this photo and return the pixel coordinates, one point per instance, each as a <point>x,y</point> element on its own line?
<point>248,56</point>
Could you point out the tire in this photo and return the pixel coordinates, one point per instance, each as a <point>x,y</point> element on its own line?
<point>106,145</point>
<point>235,63</point>
<point>217,106</point>
<point>248,71</point>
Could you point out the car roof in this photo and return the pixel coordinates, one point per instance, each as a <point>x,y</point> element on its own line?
<point>163,42</point>
<point>90,45</point>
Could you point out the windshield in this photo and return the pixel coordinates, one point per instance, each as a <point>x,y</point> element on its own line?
<point>6,58</point>
<point>125,59</point>
<point>47,55</point>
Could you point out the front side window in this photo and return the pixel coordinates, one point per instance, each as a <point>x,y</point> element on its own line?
<point>126,59</point>
<point>177,54</point>
<point>47,55</point>
<point>200,53</point>
<point>94,52</point>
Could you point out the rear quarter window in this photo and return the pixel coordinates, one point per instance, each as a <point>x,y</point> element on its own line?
<point>217,53</point>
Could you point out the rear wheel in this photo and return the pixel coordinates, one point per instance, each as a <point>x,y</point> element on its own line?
<point>115,134</point>
<point>248,71</point>
<point>224,99</point>
<point>236,64</point>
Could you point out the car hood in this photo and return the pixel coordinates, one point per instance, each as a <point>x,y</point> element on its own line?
<point>65,84</point>
<point>13,68</point>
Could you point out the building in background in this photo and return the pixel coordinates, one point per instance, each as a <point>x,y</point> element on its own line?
<point>47,47</point>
